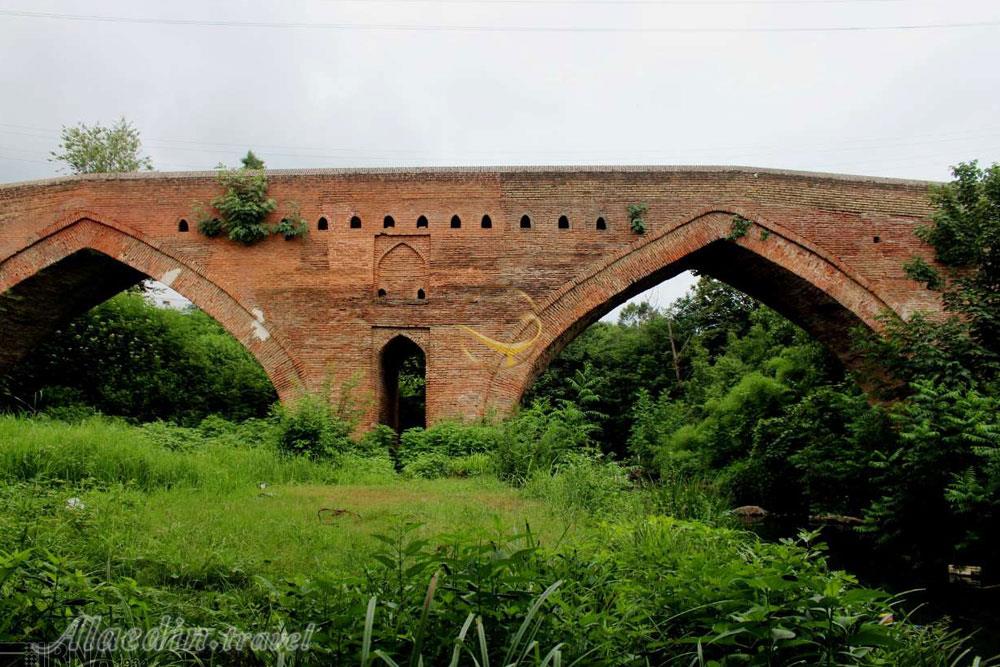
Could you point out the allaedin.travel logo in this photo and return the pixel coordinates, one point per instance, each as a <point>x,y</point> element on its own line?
<point>89,640</point>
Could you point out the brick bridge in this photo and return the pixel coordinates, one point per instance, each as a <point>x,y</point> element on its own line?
<point>491,272</point>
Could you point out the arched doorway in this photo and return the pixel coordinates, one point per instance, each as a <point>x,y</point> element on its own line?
<point>403,370</point>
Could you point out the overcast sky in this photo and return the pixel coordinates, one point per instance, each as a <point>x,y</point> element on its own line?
<point>901,88</point>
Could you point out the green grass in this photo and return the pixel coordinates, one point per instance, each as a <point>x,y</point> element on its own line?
<point>190,536</point>
<point>183,507</point>
<point>100,450</point>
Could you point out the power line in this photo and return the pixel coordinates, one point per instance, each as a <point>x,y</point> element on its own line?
<point>833,145</point>
<point>689,3</point>
<point>486,28</point>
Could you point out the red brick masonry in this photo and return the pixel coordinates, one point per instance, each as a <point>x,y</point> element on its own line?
<point>825,250</point>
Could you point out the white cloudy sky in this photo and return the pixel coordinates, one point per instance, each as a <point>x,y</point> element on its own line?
<point>886,87</point>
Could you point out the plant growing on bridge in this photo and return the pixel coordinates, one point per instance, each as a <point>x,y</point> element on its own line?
<point>635,213</point>
<point>740,228</point>
<point>241,210</point>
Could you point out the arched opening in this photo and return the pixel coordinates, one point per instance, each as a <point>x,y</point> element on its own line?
<point>422,222</point>
<point>388,222</point>
<point>601,224</point>
<point>456,222</point>
<point>381,293</point>
<point>487,222</point>
<point>808,287</point>
<point>563,222</point>
<point>421,294</point>
<point>355,222</point>
<point>323,225</point>
<point>525,221</point>
<point>403,390</point>
<point>183,226</point>
<point>95,333</point>
<point>730,357</point>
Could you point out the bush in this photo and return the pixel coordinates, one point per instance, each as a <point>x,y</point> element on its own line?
<point>449,439</point>
<point>428,465</point>
<point>583,483</point>
<point>473,465</point>
<point>539,437</point>
<point>308,427</point>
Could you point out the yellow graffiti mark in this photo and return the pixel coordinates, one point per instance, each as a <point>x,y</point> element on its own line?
<point>508,350</point>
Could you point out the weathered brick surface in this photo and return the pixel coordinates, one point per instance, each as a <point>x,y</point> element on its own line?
<point>310,310</point>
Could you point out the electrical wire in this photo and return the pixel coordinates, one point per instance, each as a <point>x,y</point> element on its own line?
<point>493,29</point>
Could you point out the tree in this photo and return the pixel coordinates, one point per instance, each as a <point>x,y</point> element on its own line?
<point>98,149</point>
<point>941,482</point>
<point>251,161</point>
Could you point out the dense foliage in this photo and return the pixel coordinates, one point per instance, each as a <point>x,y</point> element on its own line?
<point>129,358</point>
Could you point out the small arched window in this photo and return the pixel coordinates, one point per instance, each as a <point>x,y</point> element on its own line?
<point>487,222</point>
<point>422,221</point>
<point>183,226</point>
<point>563,222</point>
<point>381,293</point>
<point>421,294</point>
<point>602,224</point>
<point>456,222</point>
<point>323,225</point>
<point>355,222</point>
<point>388,222</point>
<point>525,222</point>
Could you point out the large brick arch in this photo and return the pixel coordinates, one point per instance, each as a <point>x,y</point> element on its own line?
<point>80,262</point>
<point>801,281</point>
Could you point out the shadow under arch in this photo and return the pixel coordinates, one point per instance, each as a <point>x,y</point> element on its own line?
<point>798,280</point>
<point>80,264</point>
<point>392,359</point>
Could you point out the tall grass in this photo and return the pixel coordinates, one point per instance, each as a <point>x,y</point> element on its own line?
<point>100,450</point>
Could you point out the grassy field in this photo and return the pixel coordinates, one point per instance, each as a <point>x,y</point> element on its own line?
<point>169,513</point>
<point>301,529</point>
<point>217,527</point>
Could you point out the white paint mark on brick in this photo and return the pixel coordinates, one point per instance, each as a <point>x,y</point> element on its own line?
<point>170,276</point>
<point>258,314</point>
<point>260,332</point>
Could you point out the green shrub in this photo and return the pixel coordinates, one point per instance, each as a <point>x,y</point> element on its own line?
<point>450,439</point>
<point>473,465</point>
<point>379,441</point>
<point>539,437</point>
<point>308,427</point>
<point>583,483</point>
<point>427,465</point>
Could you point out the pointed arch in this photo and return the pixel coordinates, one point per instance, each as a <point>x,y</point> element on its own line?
<point>396,411</point>
<point>810,287</point>
<point>80,262</point>
<point>400,270</point>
